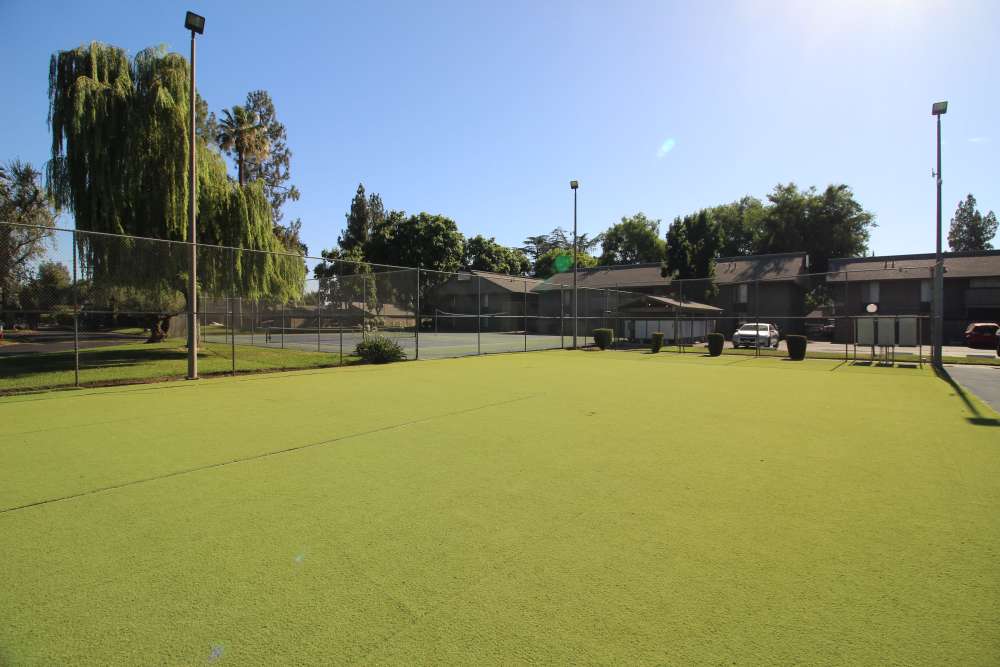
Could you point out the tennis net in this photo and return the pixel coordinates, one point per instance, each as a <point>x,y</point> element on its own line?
<point>272,334</point>
<point>447,321</point>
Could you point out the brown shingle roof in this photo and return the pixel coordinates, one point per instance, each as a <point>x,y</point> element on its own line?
<point>781,266</point>
<point>670,304</point>
<point>911,267</point>
<point>511,283</point>
<point>606,277</point>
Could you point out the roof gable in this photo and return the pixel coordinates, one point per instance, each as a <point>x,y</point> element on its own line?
<point>913,267</point>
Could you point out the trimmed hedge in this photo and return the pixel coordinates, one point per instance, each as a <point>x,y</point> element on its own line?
<point>603,338</point>
<point>796,347</point>
<point>379,350</point>
<point>716,342</point>
<point>656,342</point>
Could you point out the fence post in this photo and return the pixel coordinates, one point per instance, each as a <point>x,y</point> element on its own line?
<point>680,340</point>
<point>232,310</point>
<point>844,314</point>
<point>76,322</point>
<point>319,318</point>
<point>562,324</point>
<point>756,317</point>
<point>479,316</point>
<point>525,313</point>
<point>283,319</point>
<point>416,328</point>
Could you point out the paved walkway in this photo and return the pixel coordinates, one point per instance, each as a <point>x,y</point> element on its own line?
<point>35,342</point>
<point>983,381</point>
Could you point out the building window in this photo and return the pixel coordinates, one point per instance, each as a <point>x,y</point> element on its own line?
<point>742,293</point>
<point>925,291</point>
<point>486,300</point>
<point>869,292</point>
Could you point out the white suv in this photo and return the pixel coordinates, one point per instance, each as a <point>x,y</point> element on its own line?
<point>756,334</point>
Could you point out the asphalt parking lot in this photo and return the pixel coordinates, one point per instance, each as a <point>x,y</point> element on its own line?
<point>983,381</point>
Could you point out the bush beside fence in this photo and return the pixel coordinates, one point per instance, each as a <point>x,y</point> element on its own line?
<point>656,342</point>
<point>716,342</point>
<point>796,347</point>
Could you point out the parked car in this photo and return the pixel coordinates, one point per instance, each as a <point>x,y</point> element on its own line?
<point>982,335</point>
<point>820,330</point>
<point>756,334</point>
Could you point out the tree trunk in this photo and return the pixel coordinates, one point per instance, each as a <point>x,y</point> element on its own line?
<point>159,326</point>
<point>239,167</point>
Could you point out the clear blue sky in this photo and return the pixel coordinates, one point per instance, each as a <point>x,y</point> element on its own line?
<point>483,111</point>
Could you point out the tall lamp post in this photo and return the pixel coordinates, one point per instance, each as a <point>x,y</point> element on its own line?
<point>937,326</point>
<point>573,186</point>
<point>196,24</point>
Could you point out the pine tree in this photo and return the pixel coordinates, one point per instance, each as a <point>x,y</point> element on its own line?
<point>359,224</point>
<point>971,231</point>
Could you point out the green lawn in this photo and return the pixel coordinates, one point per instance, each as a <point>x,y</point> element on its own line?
<point>555,507</point>
<point>141,362</point>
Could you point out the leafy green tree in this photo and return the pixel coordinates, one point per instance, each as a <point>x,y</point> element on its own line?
<point>206,125</point>
<point>290,237</point>
<point>22,201</point>
<point>243,136</point>
<point>971,231</point>
<point>634,240</point>
<point>824,225</point>
<point>346,279</point>
<point>485,254</point>
<point>535,247</point>
<point>274,169</point>
<point>49,289</point>
<point>425,240</point>
<point>693,243</point>
<point>120,164</point>
<point>367,213</point>
<point>740,223</point>
<point>559,260</point>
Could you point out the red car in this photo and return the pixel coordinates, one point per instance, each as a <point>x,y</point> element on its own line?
<point>982,335</point>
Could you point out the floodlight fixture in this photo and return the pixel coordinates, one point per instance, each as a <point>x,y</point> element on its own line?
<point>195,23</point>
<point>939,108</point>
<point>573,185</point>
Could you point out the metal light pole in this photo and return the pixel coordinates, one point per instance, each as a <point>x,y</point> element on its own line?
<point>196,24</point>
<point>937,330</point>
<point>573,186</point>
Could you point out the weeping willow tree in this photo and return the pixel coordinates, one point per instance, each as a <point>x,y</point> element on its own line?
<point>120,164</point>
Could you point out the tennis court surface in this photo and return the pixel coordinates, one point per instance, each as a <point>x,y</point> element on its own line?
<point>556,507</point>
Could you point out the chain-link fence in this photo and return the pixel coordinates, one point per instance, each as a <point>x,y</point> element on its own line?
<point>83,308</point>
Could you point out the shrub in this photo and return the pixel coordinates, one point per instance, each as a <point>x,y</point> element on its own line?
<point>796,347</point>
<point>657,341</point>
<point>716,342</point>
<point>379,350</point>
<point>603,338</point>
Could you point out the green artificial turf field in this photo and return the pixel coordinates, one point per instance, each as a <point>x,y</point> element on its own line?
<point>554,507</point>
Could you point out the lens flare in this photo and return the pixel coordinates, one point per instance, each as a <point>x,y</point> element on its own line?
<point>666,147</point>
<point>563,263</point>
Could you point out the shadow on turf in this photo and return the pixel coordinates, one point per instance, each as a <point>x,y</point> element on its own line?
<point>30,364</point>
<point>978,419</point>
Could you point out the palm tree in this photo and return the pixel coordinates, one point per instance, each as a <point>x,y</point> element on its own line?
<point>241,131</point>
